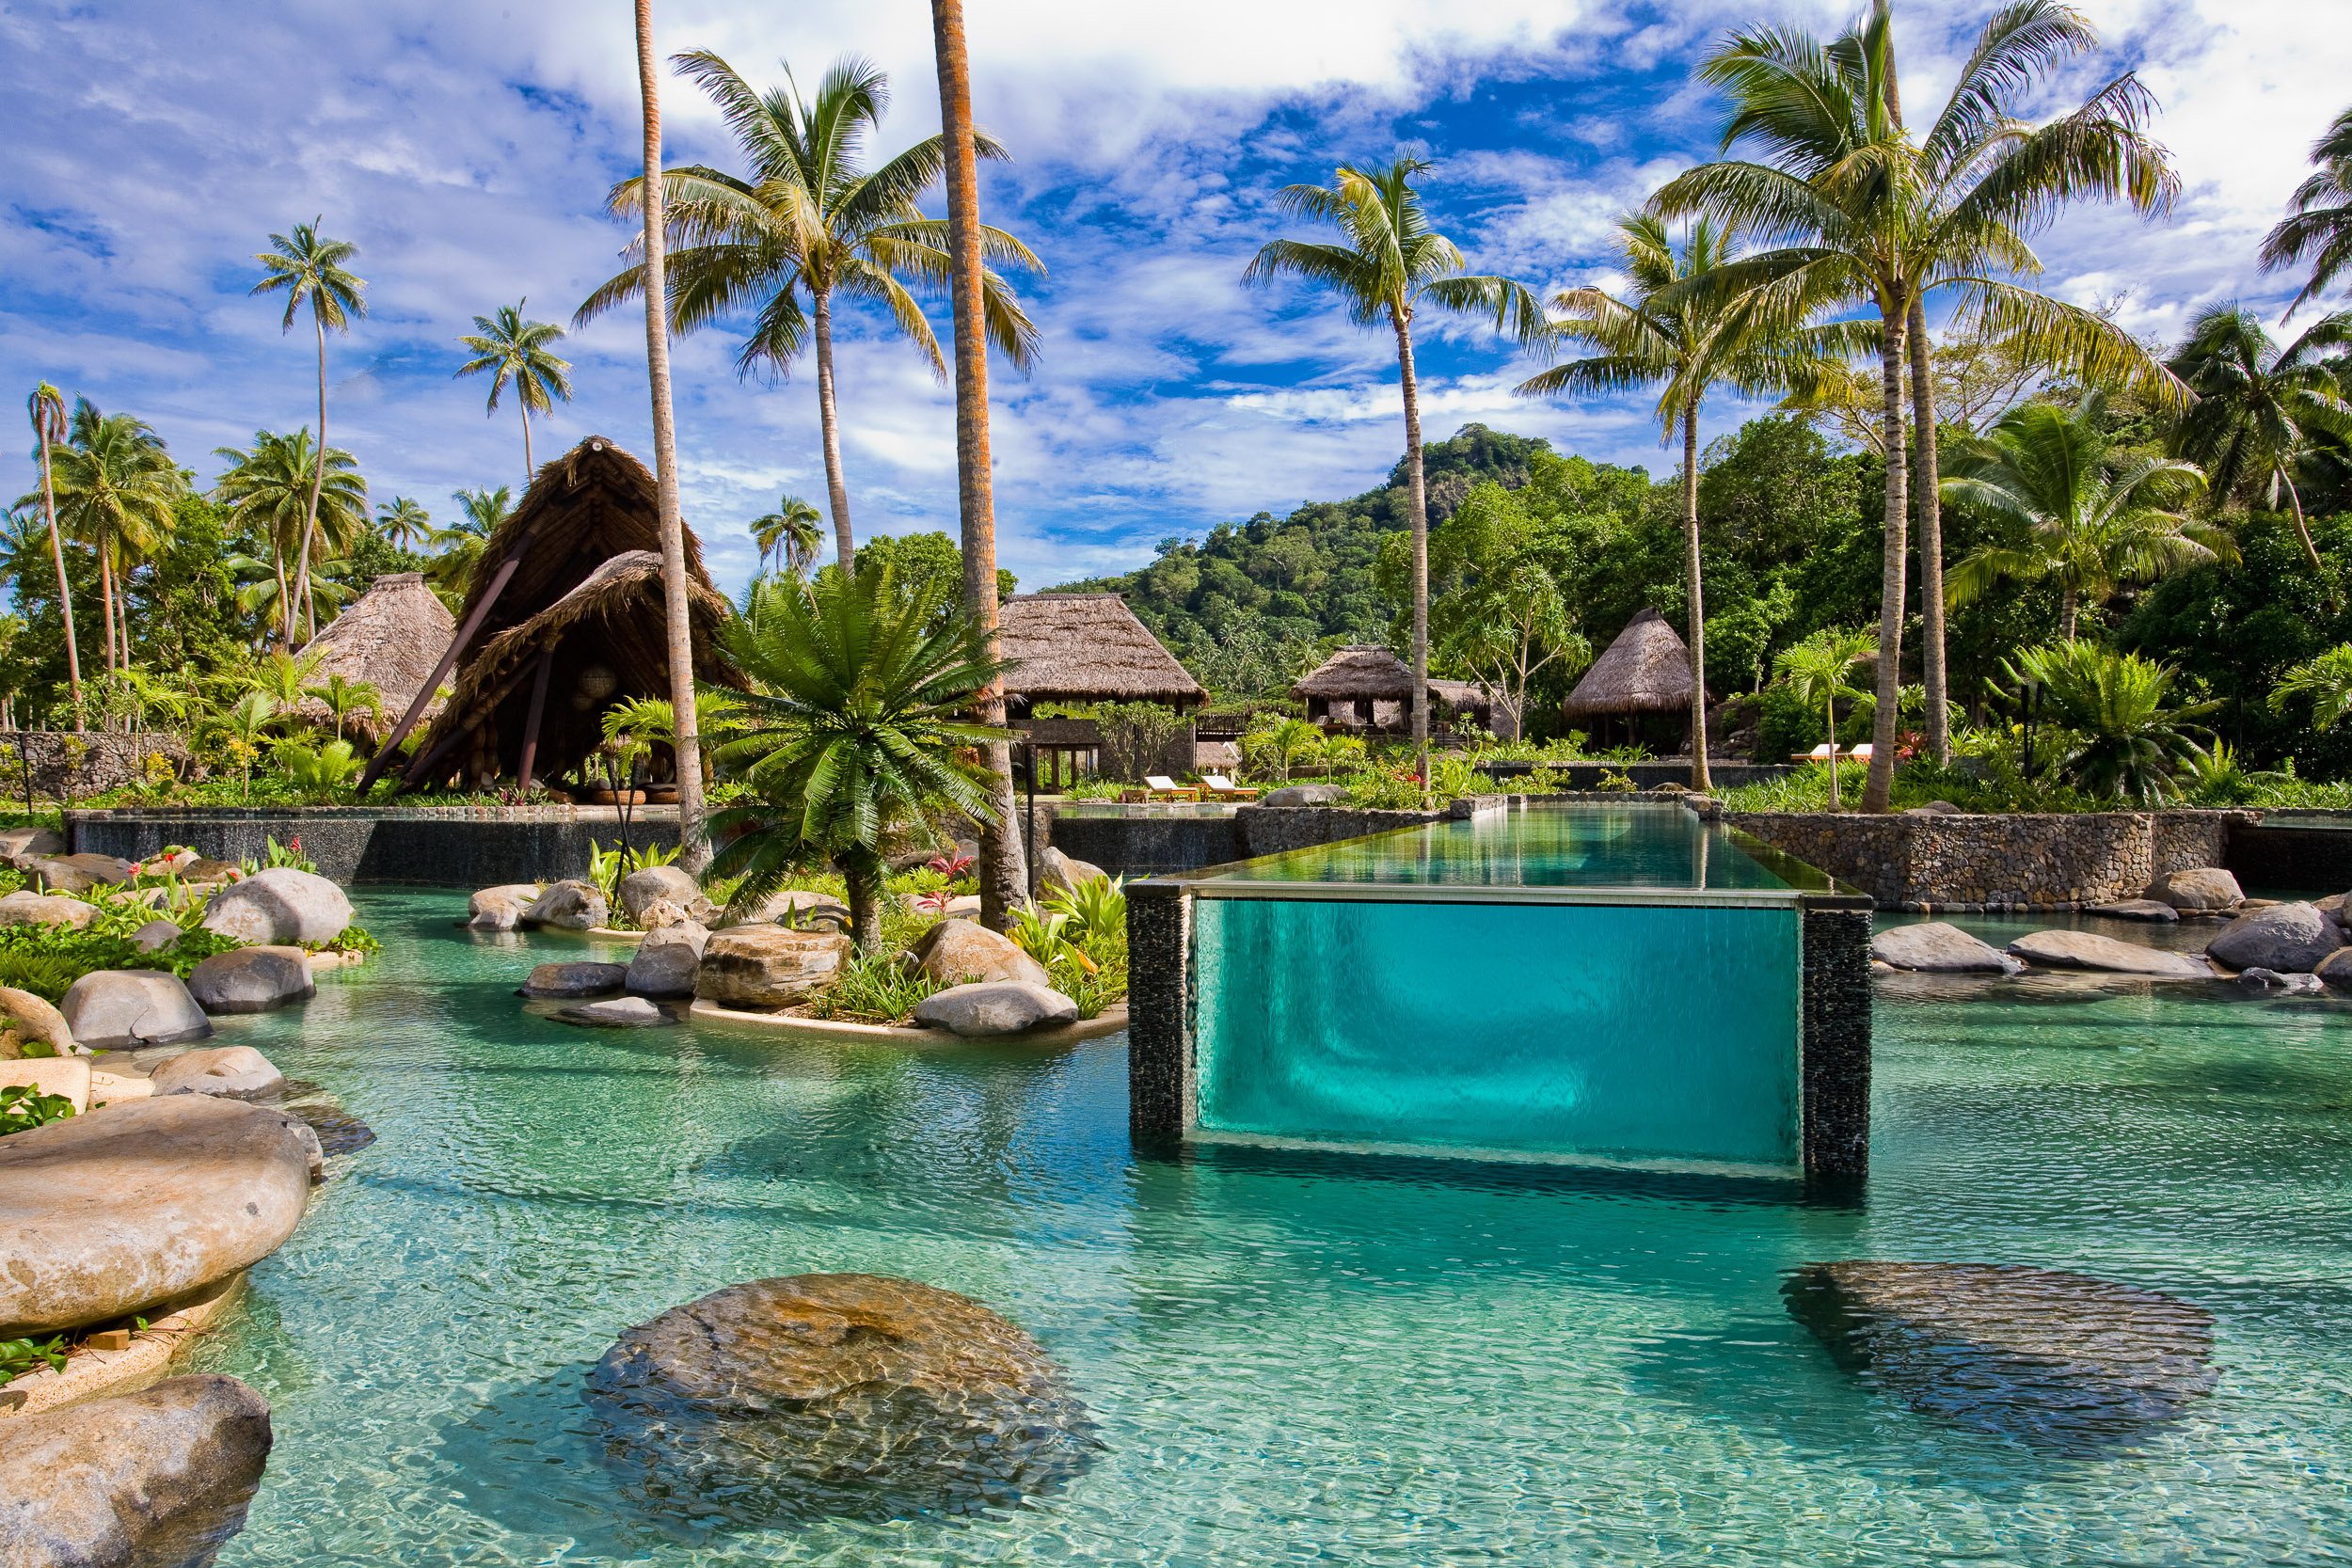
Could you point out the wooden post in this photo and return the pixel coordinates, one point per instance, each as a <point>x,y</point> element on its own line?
<point>531,721</point>
<point>384,754</point>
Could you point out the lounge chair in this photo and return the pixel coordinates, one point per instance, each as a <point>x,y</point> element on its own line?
<point>1162,787</point>
<point>1818,754</point>
<point>1225,788</point>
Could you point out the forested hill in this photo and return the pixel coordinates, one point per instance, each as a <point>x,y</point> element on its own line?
<point>1308,577</point>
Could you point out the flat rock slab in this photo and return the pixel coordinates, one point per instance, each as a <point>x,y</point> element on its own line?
<point>252,980</point>
<point>127,1008</point>
<point>231,1072</point>
<point>67,1076</point>
<point>826,1395</point>
<point>575,979</point>
<point>158,1479</point>
<point>1934,947</point>
<point>2149,909</point>
<point>2090,950</point>
<point>2293,939</point>
<point>105,1214</point>
<point>995,1008</point>
<point>2064,1359</point>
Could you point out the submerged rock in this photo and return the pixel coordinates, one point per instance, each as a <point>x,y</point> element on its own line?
<point>622,1013</point>
<point>111,1009</point>
<point>2051,1357</point>
<point>2206,887</point>
<point>835,1394</point>
<point>1935,947</point>
<point>995,1008</point>
<point>231,1072</point>
<point>279,905</point>
<point>336,1129</point>
<point>158,1479</point>
<point>2290,938</point>
<point>2147,909</point>
<point>2090,950</point>
<point>575,979</point>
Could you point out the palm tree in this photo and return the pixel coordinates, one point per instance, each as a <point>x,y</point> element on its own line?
<point>1868,214</point>
<point>1815,672</point>
<point>310,266</point>
<point>264,586</point>
<point>1390,264</point>
<point>854,729</point>
<point>117,488</point>
<point>512,349</point>
<point>794,526</point>
<point>2321,227</point>
<point>460,544</point>
<point>283,488</point>
<point>2125,741</point>
<point>47,408</point>
<point>404,522</point>
<point>2258,405</point>
<point>345,698</point>
<point>1691,340</point>
<point>809,220</point>
<point>2326,679</point>
<point>2095,520</point>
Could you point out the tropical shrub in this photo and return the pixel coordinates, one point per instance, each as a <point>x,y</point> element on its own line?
<point>23,1107</point>
<point>2128,741</point>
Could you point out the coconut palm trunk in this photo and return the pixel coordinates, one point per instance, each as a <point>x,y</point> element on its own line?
<point>829,420</point>
<point>1697,643</point>
<point>528,467</point>
<point>694,852</point>
<point>1003,867</point>
<point>48,412</point>
<point>1878,789</point>
<point>1418,491</point>
<point>1926,485</point>
<point>310,515</point>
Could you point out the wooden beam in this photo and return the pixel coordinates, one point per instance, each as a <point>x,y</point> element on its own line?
<point>378,764</point>
<point>530,722</point>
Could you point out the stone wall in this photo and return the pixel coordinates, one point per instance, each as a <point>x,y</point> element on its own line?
<point>468,846</point>
<point>65,765</point>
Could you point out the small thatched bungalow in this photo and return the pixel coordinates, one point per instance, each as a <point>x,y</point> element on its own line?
<point>1357,683</point>
<point>388,638</point>
<point>1646,670</point>
<point>1086,648</point>
<point>566,616</point>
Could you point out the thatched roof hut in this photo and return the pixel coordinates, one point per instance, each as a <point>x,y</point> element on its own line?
<point>388,639</point>
<point>1646,670</point>
<point>1357,677</point>
<point>1088,648</point>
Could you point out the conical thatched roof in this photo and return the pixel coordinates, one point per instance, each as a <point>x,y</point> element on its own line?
<point>1088,647</point>
<point>388,638</point>
<point>1646,670</point>
<point>1363,669</point>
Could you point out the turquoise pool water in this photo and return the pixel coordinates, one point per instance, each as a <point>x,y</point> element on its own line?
<point>1292,1358</point>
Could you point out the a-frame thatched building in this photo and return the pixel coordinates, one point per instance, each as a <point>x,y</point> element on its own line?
<point>1645,670</point>
<point>1088,648</point>
<point>1348,688</point>
<point>566,616</point>
<point>388,639</point>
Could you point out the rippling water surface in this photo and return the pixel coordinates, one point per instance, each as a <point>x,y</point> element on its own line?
<point>1292,1360</point>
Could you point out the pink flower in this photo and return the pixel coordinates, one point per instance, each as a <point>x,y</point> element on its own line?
<point>135,868</point>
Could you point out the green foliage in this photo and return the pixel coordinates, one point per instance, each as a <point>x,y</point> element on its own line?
<point>46,974</point>
<point>326,771</point>
<point>926,564</point>
<point>1135,737</point>
<point>277,856</point>
<point>18,1356</point>
<point>1042,934</point>
<point>1095,909</point>
<point>608,868</point>
<point>2129,739</point>
<point>351,938</point>
<point>23,1107</point>
<point>874,987</point>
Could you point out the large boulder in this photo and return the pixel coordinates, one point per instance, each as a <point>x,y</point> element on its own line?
<point>1058,870</point>
<point>2290,938</point>
<point>767,966</point>
<point>994,1008</point>
<point>575,979</point>
<point>640,889</point>
<point>828,1395</point>
<point>2062,1358</point>
<point>204,870</point>
<point>252,980</point>
<point>280,905</point>
<point>669,960</point>
<point>1305,795</point>
<point>158,1479</point>
<point>72,874</point>
<point>28,1019</point>
<point>2090,950</point>
<point>110,1009</point>
<point>2206,887</point>
<point>106,1214</point>
<point>571,905</point>
<point>27,908</point>
<point>1935,947</point>
<point>961,951</point>
<point>230,1072</point>
<point>501,908</point>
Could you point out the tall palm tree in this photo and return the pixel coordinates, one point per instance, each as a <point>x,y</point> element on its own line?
<point>310,266</point>
<point>47,408</point>
<point>117,488</point>
<point>2258,407</point>
<point>2321,225</point>
<point>1866,212</point>
<point>282,486</point>
<point>403,522</point>
<point>1389,264</point>
<point>512,349</point>
<point>808,220</point>
<point>1815,672</point>
<point>2094,520</point>
<point>1693,342</point>
<point>794,526</point>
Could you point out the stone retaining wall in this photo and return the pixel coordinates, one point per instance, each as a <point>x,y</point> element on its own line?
<point>439,845</point>
<point>65,765</point>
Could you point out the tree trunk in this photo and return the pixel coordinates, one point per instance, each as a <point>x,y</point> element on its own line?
<point>2303,530</point>
<point>528,471</point>
<point>1879,788</point>
<point>1831,706</point>
<point>1003,867</point>
<point>318,481</point>
<point>1418,493</point>
<point>694,851</point>
<point>829,422</point>
<point>65,592</point>
<point>1926,486</point>
<point>2068,599</point>
<point>106,602</point>
<point>1697,618</point>
<point>861,874</point>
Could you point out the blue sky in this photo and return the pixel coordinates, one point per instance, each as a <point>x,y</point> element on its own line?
<point>466,147</point>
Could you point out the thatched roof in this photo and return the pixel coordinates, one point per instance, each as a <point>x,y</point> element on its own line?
<point>388,638</point>
<point>1088,647</point>
<point>1363,669</point>
<point>1646,670</point>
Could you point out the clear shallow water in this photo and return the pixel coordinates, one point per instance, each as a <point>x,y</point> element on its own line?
<point>1359,1361</point>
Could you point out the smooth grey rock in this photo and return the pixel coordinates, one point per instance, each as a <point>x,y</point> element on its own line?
<point>252,980</point>
<point>571,906</point>
<point>2089,950</point>
<point>159,1479</point>
<point>156,935</point>
<point>2289,938</point>
<point>31,1018</point>
<point>1058,870</point>
<point>2335,969</point>
<point>642,888</point>
<point>142,1201</point>
<point>44,842</point>
<point>961,952</point>
<point>2206,887</point>
<point>1934,808</point>
<point>27,908</point>
<point>278,905</point>
<point>669,960</point>
<point>767,966</point>
<point>575,979</point>
<point>2150,909</point>
<point>994,1008</point>
<point>831,1396</point>
<point>111,1009</point>
<point>203,869</point>
<point>622,1013</point>
<point>58,874</point>
<point>1935,947</point>
<point>501,908</point>
<point>1304,795</point>
<point>2270,980</point>
<point>231,1072</point>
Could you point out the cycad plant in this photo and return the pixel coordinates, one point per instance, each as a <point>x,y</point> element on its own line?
<point>2128,740</point>
<point>1815,672</point>
<point>854,730</point>
<point>514,349</point>
<point>310,266</point>
<point>2093,519</point>
<point>116,490</point>
<point>2259,406</point>
<point>1388,264</point>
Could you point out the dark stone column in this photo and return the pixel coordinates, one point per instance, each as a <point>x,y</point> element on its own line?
<point>1835,1044</point>
<point>1160,1083</point>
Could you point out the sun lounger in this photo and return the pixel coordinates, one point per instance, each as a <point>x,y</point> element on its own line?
<point>1165,788</point>
<point>1225,788</point>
